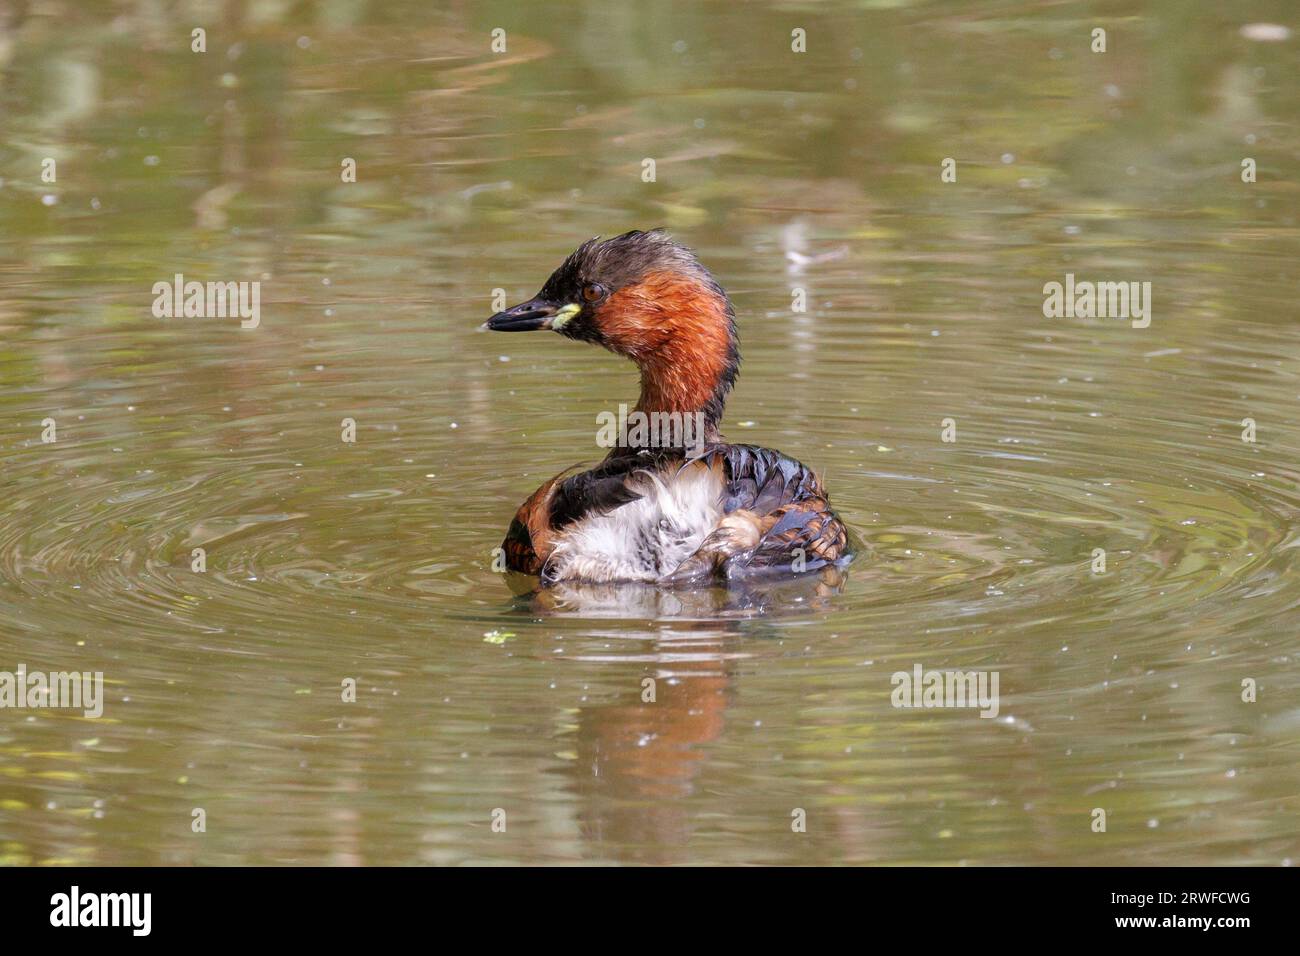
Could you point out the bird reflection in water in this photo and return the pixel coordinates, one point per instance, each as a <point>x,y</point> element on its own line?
<point>639,756</point>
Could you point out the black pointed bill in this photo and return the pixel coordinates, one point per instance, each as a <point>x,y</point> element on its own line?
<point>532,315</point>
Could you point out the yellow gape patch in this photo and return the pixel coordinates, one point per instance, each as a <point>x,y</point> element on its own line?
<point>563,316</point>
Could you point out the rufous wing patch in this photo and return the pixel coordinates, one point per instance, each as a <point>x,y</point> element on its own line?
<point>530,539</point>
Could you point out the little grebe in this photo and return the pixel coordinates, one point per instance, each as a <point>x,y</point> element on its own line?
<point>686,512</point>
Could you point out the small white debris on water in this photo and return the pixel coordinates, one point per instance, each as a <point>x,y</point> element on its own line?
<point>1265,32</point>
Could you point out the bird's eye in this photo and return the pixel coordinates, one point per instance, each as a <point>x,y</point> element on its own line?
<point>592,291</point>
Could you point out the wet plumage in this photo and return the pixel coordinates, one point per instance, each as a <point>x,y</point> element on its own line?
<point>672,515</point>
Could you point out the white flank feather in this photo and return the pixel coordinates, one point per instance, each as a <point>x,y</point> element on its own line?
<point>643,539</point>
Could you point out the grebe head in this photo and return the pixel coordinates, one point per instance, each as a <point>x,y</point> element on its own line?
<point>645,296</point>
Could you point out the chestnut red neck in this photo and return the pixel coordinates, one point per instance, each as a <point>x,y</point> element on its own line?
<point>680,330</point>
